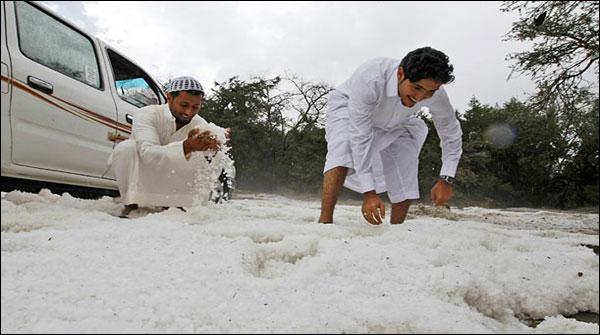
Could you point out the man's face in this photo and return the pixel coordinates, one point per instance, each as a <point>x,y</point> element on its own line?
<point>184,106</point>
<point>410,93</point>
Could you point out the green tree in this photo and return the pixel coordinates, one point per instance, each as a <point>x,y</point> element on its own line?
<point>577,183</point>
<point>277,140</point>
<point>479,172</point>
<point>253,111</point>
<point>304,147</point>
<point>565,46</point>
<point>517,155</point>
<point>565,52</point>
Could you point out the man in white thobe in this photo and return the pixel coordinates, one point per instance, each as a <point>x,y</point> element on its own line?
<point>374,135</point>
<point>152,167</point>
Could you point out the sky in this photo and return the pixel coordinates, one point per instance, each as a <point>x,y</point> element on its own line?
<point>319,42</point>
<point>260,264</point>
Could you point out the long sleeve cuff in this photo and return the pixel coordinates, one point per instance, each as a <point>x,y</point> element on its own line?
<point>449,169</point>
<point>175,152</point>
<point>366,182</point>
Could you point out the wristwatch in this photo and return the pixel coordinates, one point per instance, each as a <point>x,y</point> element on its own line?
<point>448,179</point>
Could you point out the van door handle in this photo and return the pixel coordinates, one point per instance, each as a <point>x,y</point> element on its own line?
<point>39,84</point>
<point>129,118</point>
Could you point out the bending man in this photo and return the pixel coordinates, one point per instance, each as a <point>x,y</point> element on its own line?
<point>374,135</point>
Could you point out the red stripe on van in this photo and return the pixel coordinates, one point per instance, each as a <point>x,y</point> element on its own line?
<point>80,111</point>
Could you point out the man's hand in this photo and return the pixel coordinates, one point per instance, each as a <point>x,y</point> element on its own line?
<point>441,193</point>
<point>373,208</point>
<point>197,141</point>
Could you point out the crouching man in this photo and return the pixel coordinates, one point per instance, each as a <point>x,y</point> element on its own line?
<point>153,166</point>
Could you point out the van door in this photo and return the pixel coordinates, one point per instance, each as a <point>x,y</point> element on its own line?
<point>133,89</point>
<point>62,113</point>
<point>5,91</point>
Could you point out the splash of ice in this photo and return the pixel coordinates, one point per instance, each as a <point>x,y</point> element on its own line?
<point>210,164</point>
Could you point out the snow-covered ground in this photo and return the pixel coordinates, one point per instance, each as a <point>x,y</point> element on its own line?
<point>261,264</point>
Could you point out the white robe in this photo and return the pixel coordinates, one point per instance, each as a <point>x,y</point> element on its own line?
<point>371,132</point>
<point>150,167</point>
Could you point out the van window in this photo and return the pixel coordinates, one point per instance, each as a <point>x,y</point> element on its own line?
<point>50,42</point>
<point>132,83</point>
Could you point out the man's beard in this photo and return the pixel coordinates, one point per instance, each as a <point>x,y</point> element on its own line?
<point>182,121</point>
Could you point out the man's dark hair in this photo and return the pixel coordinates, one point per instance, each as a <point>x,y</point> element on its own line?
<point>176,93</point>
<point>427,63</point>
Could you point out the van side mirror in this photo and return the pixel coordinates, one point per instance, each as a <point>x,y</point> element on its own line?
<point>129,118</point>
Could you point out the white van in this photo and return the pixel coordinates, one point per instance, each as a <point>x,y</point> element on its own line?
<point>67,99</point>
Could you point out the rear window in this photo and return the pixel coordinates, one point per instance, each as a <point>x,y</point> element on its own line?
<point>132,83</point>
